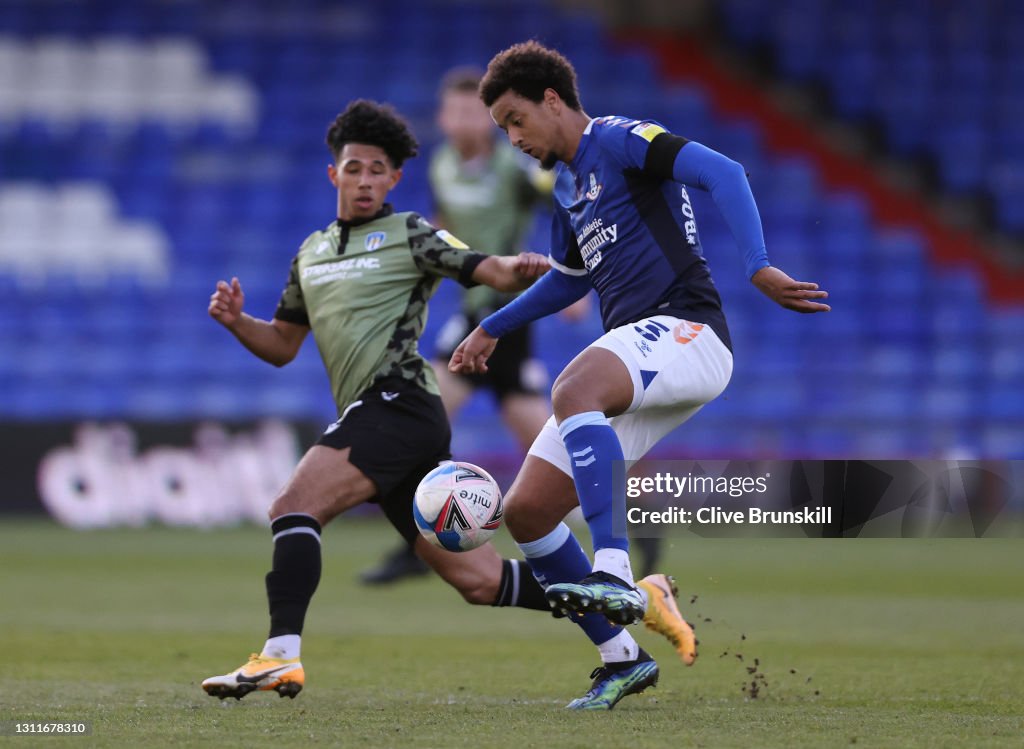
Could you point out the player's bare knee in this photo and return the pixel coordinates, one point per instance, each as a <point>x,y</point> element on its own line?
<point>526,522</point>
<point>568,399</point>
<point>517,517</point>
<point>288,502</point>
<point>284,503</point>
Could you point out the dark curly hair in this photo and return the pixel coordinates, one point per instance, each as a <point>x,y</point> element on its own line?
<point>373,124</point>
<point>528,69</point>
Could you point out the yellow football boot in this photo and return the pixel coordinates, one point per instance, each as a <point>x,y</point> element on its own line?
<point>662,616</point>
<point>285,677</point>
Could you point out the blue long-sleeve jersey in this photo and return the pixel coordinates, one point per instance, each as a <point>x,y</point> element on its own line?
<point>623,223</point>
<point>619,220</point>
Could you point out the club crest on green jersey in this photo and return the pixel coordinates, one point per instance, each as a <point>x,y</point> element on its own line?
<point>375,239</point>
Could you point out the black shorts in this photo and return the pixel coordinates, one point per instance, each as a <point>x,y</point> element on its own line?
<point>510,370</point>
<point>397,433</point>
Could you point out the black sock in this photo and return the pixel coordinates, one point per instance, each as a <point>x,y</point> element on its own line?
<point>295,574</point>
<point>519,587</point>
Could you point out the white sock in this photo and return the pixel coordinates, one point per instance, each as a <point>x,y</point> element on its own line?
<point>285,647</point>
<point>620,648</point>
<point>614,562</point>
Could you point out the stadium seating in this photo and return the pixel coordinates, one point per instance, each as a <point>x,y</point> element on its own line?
<point>150,148</point>
<point>944,81</point>
<point>74,230</point>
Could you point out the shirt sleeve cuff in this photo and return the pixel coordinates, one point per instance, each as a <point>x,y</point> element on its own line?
<point>469,267</point>
<point>294,316</point>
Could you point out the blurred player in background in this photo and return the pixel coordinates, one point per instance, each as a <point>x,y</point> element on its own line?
<point>485,193</point>
<point>361,285</point>
<point>623,225</point>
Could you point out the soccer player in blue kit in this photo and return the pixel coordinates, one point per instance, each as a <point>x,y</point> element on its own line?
<point>624,226</point>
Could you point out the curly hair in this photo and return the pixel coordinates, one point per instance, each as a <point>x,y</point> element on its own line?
<point>528,69</point>
<point>373,124</point>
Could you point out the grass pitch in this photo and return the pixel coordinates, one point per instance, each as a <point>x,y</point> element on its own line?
<point>868,642</point>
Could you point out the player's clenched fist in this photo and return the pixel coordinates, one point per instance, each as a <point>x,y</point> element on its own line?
<point>226,302</point>
<point>531,264</point>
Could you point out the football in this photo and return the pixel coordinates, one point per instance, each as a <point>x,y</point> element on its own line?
<point>457,506</point>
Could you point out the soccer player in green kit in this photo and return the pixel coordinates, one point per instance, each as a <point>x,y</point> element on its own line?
<point>361,285</point>
<point>485,192</point>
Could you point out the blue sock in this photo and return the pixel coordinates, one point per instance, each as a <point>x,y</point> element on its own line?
<point>593,448</point>
<point>559,558</point>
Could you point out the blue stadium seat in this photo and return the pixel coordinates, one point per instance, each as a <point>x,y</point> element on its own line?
<point>1002,441</point>
<point>1006,326</point>
<point>954,360</point>
<point>944,82</point>
<point>1004,404</point>
<point>950,404</point>
<point>796,34</point>
<point>963,153</point>
<point>1007,181</point>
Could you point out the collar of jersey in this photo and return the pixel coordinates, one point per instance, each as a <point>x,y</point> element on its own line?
<point>385,210</point>
<point>581,148</point>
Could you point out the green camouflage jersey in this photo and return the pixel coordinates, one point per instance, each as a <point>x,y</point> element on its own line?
<point>363,290</point>
<point>488,202</point>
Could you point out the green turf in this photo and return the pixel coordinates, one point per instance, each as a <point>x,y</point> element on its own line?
<point>894,643</point>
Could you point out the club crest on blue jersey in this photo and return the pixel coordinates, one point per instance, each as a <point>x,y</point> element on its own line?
<point>375,239</point>
<point>595,188</point>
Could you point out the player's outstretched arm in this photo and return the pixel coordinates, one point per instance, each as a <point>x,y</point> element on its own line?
<point>511,273</point>
<point>276,341</point>
<point>727,182</point>
<point>553,292</point>
<point>785,291</point>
